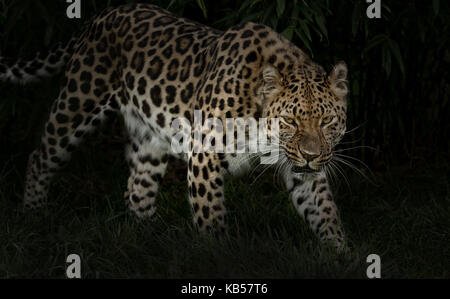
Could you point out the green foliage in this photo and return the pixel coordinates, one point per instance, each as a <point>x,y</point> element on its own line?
<point>398,65</point>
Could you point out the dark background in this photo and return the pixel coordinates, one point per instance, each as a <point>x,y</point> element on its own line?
<point>398,122</point>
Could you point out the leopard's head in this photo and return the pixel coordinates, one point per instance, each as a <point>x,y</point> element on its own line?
<point>311,108</point>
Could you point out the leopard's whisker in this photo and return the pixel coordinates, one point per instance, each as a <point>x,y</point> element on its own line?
<point>356,128</point>
<point>353,158</point>
<point>341,171</point>
<point>355,147</point>
<point>353,167</point>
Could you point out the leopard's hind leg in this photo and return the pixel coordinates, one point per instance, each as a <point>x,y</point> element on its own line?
<point>80,108</point>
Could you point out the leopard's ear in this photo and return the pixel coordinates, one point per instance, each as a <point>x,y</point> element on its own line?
<point>270,83</point>
<point>338,80</point>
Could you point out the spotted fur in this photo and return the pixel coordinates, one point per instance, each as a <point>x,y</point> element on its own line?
<point>152,67</point>
<point>42,65</point>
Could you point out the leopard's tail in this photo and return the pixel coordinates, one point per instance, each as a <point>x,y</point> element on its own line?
<point>41,65</point>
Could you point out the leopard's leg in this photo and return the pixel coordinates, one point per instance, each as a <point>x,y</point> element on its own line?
<point>206,191</point>
<point>313,200</point>
<point>83,103</point>
<point>67,125</point>
<point>148,162</point>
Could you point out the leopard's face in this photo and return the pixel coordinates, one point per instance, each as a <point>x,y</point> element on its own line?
<point>311,109</point>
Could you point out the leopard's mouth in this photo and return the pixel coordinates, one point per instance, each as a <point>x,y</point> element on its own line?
<point>304,169</point>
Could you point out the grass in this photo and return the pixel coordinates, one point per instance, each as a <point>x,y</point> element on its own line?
<point>404,219</point>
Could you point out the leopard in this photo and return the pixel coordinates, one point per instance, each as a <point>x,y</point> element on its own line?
<point>152,67</point>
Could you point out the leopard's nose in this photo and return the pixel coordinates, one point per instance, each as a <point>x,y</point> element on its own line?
<point>309,156</point>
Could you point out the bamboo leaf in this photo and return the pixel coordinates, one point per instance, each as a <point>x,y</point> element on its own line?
<point>281,5</point>
<point>397,55</point>
<point>172,2</point>
<point>305,40</point>
<point>306,11</point>
<point>246,5</point>
<point>356,17</point>
<point>305,28</point>
<point>251,17</point>
<point>386,59</point>
<point>268,13</point>
<point>436,4</point>
<point>295,11</point>
<point>318,32</point>
<point>320,20</point>
<point>376,40</point>
<point>202,6</point>
<point>288,32</point>
<point>254,2</point>
<point>355,87</point>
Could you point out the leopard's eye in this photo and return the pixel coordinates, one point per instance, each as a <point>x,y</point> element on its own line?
<point>289,120</point>
<point>326,120</point>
